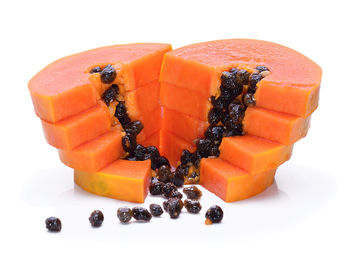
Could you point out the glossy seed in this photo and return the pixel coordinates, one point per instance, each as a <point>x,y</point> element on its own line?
<point>185,157</point>
<point>162,161</point>
<point>236,112</point>
<point>124,214</point>
<point>164,173</point>
<point>214,133</point>
<point>228,80</point>
<point>168,188</point>
<point>96,218</point>
<point>192,192</point>
<point>53,224</point>
<point>129,143</point>
<point>134,127</point>
<point>175,194</point>
<point>140,152</point>
<point>214,214</point>
<point>142,214</point>
<point>243,77</point>
<point>96,69</point>
<point>214,116</point>
<point>192,206</point>
<point>110,94</point>
<point>108,74</point>
<point>262,68</point>
<point>218,103</point>
<point>156,188</point>
<point>249,99</point>
<point>153,151</point>
<point>156,210</point>
<point>173,206</point>
<point>203,147</point>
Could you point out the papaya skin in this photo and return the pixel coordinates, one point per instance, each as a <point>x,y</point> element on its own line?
<point>231,183</point>
<point>121,180</point>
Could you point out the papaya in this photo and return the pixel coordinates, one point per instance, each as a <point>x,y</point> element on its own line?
<point>94,155</point>
<point>254,154</point>
<point>292,87</point>
<point>122,180</point>
<point>63,88</point>
<point>236,107</point>
<point>231,183</point>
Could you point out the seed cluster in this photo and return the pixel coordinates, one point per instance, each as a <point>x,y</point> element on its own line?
<point>226,116</point>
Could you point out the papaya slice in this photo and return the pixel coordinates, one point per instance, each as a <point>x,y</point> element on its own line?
<point>143,100</point>
<point>275,126</point>
<point>182,125</point>
<point>293,77</point>
<point>153,140</point>
<point>95,154</point>
<point>185,101</point>
<point>254,154</point>
<point>151,122</point>
<point>63,88</point>
<point>78,129</point>
<point>122,180</point>
<point>171,147</point>
<point>231,183</point>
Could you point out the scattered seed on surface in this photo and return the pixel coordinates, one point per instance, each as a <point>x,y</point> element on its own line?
<point>156,188</point>
<point>156,210</point>
<point>175,194</point>
<point>140,213</point>
<point>214,215</point>
<point>192,192</point>
<point>192,206</point>
<point>173,206</point>
<point>124,214</point>
<point>96,218</point>
<point>168,188</point>
<point>53,224</point>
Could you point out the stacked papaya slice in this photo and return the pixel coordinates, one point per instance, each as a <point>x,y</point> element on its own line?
<point>274,90</point>
<point>175,96</point>
<point>71,98</point>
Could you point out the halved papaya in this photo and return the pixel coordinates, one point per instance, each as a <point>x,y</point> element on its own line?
<point>236,105</point>
<point>292,87</point>
<point>122,180</point>
<point>63,89</point>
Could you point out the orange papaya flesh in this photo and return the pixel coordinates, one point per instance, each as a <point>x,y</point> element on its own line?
<point>78,129</point>
<point>153,140</point>
<point>95,154</point>
<point>171,147</point>
<point>63,88</point>
<point>180,99</point>
<point>231,183</point>
<point>122,180</point>
<point>254,154</point>
<point>143,100</point>
<point>183,126</point>
<point>292,87</point>
<point>151,123</point>
<point>279,127</point>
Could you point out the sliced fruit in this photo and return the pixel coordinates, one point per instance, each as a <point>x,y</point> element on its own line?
<point>95,154</point>
<point>293,77</point>
<point>63,89</point>
<point>182,125</point>
<point>122,180</point>
<point>275,126</point>
<point>153,140</point>
<point>151,122</point>
<point>254,154</point>
<point>172,146</point>
<point>231,183</point>
<point>78,129</point>
<point>182,100</point>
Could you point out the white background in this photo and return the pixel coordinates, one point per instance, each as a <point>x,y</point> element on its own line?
<point>300,222</point>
